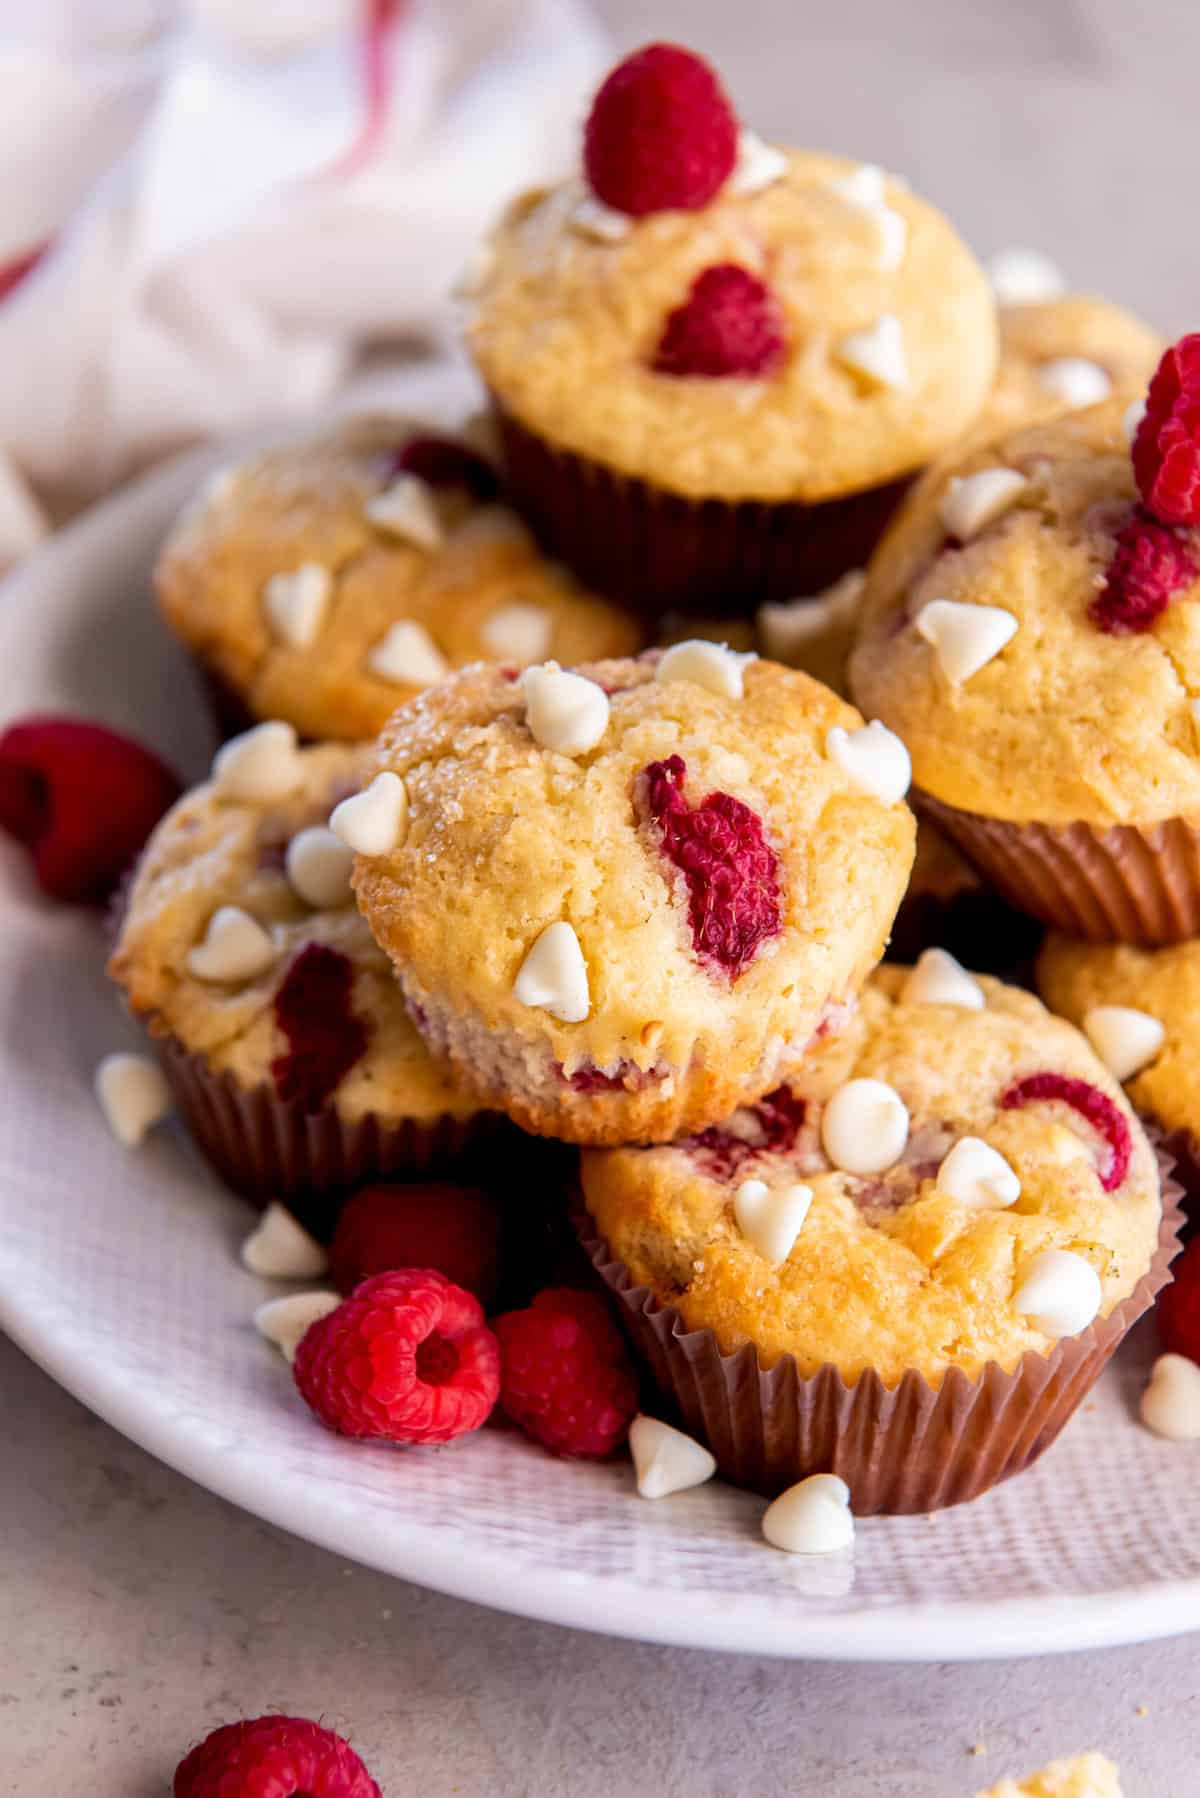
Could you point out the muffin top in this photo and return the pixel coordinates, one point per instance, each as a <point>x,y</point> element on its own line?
<point>915,1260</point>
<point>1032,632</point>
<point>327,581</point>
<point>1065,353</point>
<point>1083,1776</point>
<point>240,938</point>
<point>721,872</point>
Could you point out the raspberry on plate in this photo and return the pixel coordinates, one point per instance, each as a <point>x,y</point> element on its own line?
<point>433,1223</point>
<point>662,134</point>
<point>273,1757</point>
<point>566,1376</point>
<point>1179,1306</point>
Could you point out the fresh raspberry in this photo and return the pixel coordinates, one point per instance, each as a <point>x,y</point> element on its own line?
<point>730,870</point>
<point>313,1009</point>
<point>566,1377</point>
<point>1093,1105</point>
<point>1166,449</point>
<point>82,799</point>
<point>1179,1306</point>
<point>779,1118</point>
<point>407,1358</point>
<point>662,135</point>
<point>1149,564</point>
<point>455,1229</point>
<point>444,462</point>
<point>273,1757</point>
<point>730,324</point>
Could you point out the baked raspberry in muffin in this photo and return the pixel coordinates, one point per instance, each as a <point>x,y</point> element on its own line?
<point>628,897</point>
<point>324,582</point>
<point>716,362</point>
<point>279,1024</point>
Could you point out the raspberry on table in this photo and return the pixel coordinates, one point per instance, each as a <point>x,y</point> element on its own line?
<point>730,324</point>
<point>1094,1106</point>
<point>406,1358</point>
<point>313,1008</point>
<point>273,1757</point>
<point>566,1378</point>
<point>430,1223</point>
<point>1150,563</point>
<point>662,134</point>
<point>444,462</point>
<point>1166,448</point>
<point>1179,1306</point>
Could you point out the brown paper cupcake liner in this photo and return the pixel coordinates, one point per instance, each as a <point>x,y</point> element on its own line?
<point>908,1448</point>
<point>1117,885</point>
<point>660,552</point>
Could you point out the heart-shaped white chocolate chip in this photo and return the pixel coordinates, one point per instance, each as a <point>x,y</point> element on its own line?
<point>964,638</point>
<point>973,501</point>
<point>864,1127</point>
<point>295,604</point>
<point>1131,418</point>
<point>279,1249</point>
<point>262,765</point>
<point>1022,277</point>
<point>565,712</point>
<point>978,1176</point>
<point>1171,1401</point>
<point>759,165</point>
<point>714,666</point>
<point>408,655</point>
<point>877,354</point>
<point>812,1518</point>
<point>1058,1293</point>
<point>373,822</point>
<point>937,979</point>
<point>519,632</point>
<point>665,1460</point>
<point>133,1095</point>
<point>407,509</point>
<point>318,865</point>
<point>785,630</point>
<point>553,977</point>
<point>865,187</point>
<point>592,218</point>
<point>285,1321</point>
<point>770,1218</point>
<point>1125,1040</point>
<point>873,759</point>
<point>1074,380</point>
<point>235,947</point>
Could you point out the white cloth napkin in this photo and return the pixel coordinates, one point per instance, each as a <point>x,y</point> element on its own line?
<point>227,202</point>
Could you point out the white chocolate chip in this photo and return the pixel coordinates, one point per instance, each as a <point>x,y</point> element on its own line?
<point>284,1321</point>
<point>519,631</point>
<point>784,630</point>
<point>565,712</point>
<point>263,764</point>
<point>406,509</point>
<point>553,977</point>
<point>864,1127</point>
<point>1059,1292</point>
<point>873,759</point>
<point>1131,418</point>
<point>866,188</point>
<point>235,947</point>
<point>964,638</point>
<point>770,1218</point>
<point>318,865</point>
<point>877,354</point>
<point>812,1518</point>
<point>665,1460</point>
<point>1171,1401</point>
<point>978,1176</point>
<point>937,979</point>
<point>133,1095</point>
<point>1125,1040</point>
<point>408,656</point>
<point>373,822</point>
<point>592,218</point>
<point>711,665</point>
<point>279,1249</point>
<point>296,603</point>
<point>1023,277</point>
<point>971,502</point>
<point>1074,380</point>
<point>759,165</point>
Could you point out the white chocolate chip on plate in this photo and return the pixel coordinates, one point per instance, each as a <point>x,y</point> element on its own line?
<point>263,764</point>
<point>133,1094</point>
<point>565,712</point>
<point>1171,1402</point>
<point>1022,277</point>
<point>864,1127</point>
<point>873,759</point>
<point>408,655</point>
<point>978,1176</point>
<point>407,509</point>
<point>1125,1040</point>
<point>1058,1292</point>
<point>318,865</point>
<point>553,976</point>
<point>1074,380</point>
<point>811,1518</point>
<point>973,501</point>
<point>938,979</point>
<point>285,1321</point>
<point>278,1248</point>
<point>964,638</point>
<point>770,1218</point>
<point>715,666</point>
<point>665,1460</point>
<point>877,354</point>
<point>295,604</point>
<point>235,947</point>
<point>373,822</point>
<point>519,631</point>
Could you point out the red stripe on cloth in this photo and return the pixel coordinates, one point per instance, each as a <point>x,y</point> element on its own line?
<point>12,273</point>
<point>377,80</point>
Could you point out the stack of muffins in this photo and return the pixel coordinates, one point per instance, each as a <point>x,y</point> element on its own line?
<point>484,866</point>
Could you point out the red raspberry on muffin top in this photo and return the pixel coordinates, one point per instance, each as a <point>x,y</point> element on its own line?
<point>1166,448</point>
<point>661,135</point>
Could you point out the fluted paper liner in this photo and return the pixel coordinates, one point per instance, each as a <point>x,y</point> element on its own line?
<point>908,1448</point>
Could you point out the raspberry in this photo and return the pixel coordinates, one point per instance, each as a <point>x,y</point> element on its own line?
<point>273,1757</point>
<point>324,1037</point>
<point>443,462</point>
<point>730,870</point>
<point>82,799</point>
<point>1166,449</point>
<point>455,1229</point>
<point>1149,564</point>
<point>566,1378</point>
<point>1096,1107</point>
<point>661,136</point>
<point>1179,1306</point>
<point>730,324</point>
<point>407,1358</point>
<point>779,1118</point>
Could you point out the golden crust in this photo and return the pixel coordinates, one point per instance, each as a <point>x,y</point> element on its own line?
<point>1124,346</point>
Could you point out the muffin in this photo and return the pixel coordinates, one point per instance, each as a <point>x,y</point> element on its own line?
<point>325,582</point>
<point>629,897</point>
<point>1030,630</point>
<point>908,1263</point>
<point>715,363</point>
<point>280,1027</point>
<point>1065,353</point>
<point>1084,1776</point>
